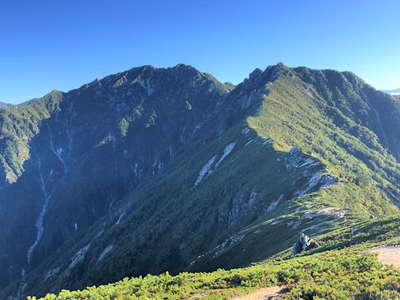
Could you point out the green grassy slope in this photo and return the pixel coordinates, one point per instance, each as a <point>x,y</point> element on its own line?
<point>328,124</point>
<point>324,273</point>
<point>299,112</point>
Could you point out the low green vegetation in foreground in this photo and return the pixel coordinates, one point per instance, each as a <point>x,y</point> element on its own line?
<point>332,275</point>
<point>339,269</point>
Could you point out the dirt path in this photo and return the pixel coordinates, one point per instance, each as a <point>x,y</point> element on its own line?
<point>262,294</point>
<point>388,256</point>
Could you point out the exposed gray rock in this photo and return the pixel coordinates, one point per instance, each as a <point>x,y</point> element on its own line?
<point>303,244</point>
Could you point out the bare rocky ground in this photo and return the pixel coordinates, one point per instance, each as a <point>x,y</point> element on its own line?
<point>269,293</point>
<point>388,255</point>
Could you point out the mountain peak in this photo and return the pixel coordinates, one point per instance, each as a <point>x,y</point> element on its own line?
<point>184,66</point>
<point>271,73</point>
<point>152,79</point>
<point>255,74</point>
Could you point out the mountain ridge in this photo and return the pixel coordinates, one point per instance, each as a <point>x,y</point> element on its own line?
<point>321,130</point>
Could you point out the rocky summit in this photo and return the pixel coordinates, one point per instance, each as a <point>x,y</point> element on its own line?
<point>156,170</point>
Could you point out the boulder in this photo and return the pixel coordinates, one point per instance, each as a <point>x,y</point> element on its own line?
<point>303,244</point>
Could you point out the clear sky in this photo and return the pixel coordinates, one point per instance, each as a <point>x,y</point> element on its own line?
<point>62,44</point>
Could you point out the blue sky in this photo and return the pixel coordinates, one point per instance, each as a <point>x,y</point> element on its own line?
<point>46,45</point>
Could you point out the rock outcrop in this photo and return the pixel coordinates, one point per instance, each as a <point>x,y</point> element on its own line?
<point>303,244</point>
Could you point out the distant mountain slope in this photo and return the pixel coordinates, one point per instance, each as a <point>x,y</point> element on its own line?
<point>393,92</point>
<point>155,170</point>
<point>4,105</point>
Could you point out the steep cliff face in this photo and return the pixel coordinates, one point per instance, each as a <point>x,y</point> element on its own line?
<point>152,170</point>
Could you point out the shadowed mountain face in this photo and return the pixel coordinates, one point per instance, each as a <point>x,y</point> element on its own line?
<point>152,170</point>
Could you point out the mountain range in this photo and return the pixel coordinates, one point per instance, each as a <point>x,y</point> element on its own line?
<point>167,169</point>
<point>393,92</point>
<point>4,105</point>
